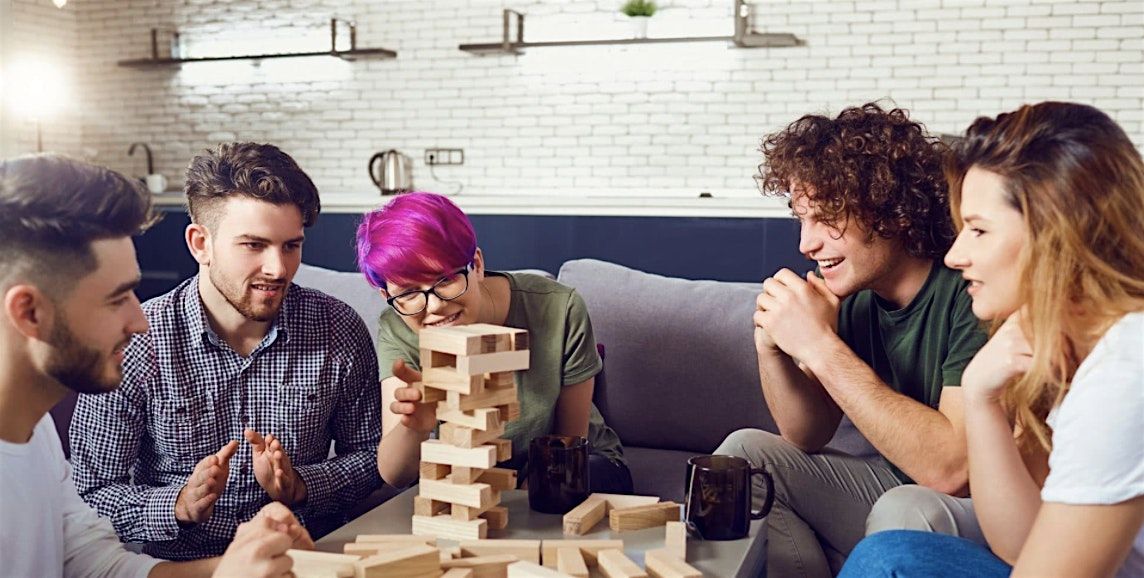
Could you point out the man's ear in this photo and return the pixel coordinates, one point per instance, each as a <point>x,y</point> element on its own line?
<point>198,239</point>
<point>29,310</point>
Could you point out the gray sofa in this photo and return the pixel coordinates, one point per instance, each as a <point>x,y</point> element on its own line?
<point>679,369</point>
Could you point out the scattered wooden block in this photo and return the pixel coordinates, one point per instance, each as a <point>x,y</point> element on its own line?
<point>523,549</point>
<point>313,564</point>
<point>581,519</point>
<point>429,394</point>
<point>438,452</point>
<point>495,566</point>
<point>445,526</point>
<point>614,564</point>
<point>493,362</point>
<point>482,419</point>
<point>571,562</point>
<point>432,471</point>
<point>640,517</point>
<point>499,478</point>
<point>458,573</point>
<point>467,437</point>
<point>405,538</point>
<point>588,549</point>
<point>450,552</point>
<point>423,506</point>
<point>473,495</point>
<point>664,564</point>
<point>525,569</point>
<point>616,501</point>
<point>416,561</point>
<point>675,539</point>
<point>497,517</point>
<point>487,398</point>
<point>503,449</point>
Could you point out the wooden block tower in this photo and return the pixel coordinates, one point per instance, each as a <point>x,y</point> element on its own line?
<point>468,371</point>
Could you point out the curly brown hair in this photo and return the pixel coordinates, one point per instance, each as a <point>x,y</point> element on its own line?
<point>874,166</point>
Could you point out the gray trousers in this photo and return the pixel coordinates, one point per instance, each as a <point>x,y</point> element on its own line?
<point>823,500</point>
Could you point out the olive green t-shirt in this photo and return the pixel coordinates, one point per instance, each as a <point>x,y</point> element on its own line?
<point>922,347</point>
<point>562,352</point>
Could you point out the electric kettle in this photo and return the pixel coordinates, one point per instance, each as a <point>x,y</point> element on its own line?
<point>395,174</point>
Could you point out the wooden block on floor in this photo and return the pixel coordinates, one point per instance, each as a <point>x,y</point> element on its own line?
<point>503,449</point>
<point>444,526</point>
<point>493,362</point>
<point>429,394</point>
<point>467,437</point>
<point>450,340</point>
<point>313,564</point>
<point>588,549</point>
<point>449,379</point>
<point>494,566</point>
<point>432,471</point>
<point>458,573</point>
<point>581,519</point>
<point>499,379</point>
<point>473,495</point>
<point>483,419</point>
<point>397,538</point>
<point>499,478</point>
<point>423,506</point>
<point>487,398</point>
<point>614,564</point>
<point>522,549</point>
<point>525,569</point>
<point>416,561</point>
<point>509,411</point>
<point>640,517</point>
<point>439,452</point>
<point>663,564</point>
<point>571,562</point>
<point>497,517</point>
<point>450,552</point>
<point>675,539</point>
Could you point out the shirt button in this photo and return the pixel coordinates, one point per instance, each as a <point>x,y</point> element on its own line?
<point>246,469</point>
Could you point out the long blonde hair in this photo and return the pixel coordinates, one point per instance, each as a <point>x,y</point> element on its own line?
<point>1079,183</point>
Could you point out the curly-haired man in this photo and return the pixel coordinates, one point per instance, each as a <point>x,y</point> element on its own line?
<point>880,334</point>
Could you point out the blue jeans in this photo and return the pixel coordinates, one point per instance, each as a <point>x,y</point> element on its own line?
<point>913,554</point>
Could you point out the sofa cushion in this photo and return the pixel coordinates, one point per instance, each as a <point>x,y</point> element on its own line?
<point>681,369</point>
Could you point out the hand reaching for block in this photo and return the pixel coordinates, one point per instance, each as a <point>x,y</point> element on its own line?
<point>417,416</point>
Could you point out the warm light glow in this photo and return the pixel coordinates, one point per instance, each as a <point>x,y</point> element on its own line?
<point>33,88</point>
<point>60,3</point>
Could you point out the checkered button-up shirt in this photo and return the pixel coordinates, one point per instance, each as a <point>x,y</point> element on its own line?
<point>186,393</point>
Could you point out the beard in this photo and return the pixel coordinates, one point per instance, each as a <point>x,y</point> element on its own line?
<point>77,366</point>
<point>243,301</point>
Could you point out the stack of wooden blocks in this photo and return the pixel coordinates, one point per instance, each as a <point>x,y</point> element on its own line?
<point>469,372</point>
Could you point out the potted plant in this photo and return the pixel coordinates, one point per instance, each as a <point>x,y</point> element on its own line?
<point>639,11</point>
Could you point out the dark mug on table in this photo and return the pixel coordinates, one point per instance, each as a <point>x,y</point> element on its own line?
<point>557,473</point>
<point>718,491</point>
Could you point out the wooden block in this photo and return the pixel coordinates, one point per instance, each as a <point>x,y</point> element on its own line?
<point>423,506</point>
<point>503,449</point>
<point>449,340</point>
<point>510,336</point>
<point>313,564</point>
<point>509,411</point>
<point>664,564</point>
<point>640,517</point>
<point>616,501</point>
<point>431,471</point>
<point>463,475</point>
<point>614,564</point>
<point>396,538</point>
<point>450,552</point>
<point>473,495</point>
<point>459,512</point>
<point>446,527</point>
<point>498,379</point>
<point>458,573</point>
<point>439,452</point>
<point>429,394</point>
<point>487,398</point>
<point>494,566</point>
<point>499,478</point>
<point>467,437</point>
<point>449,379</point>
<point>493,362</point>
<point>497,517</point>
<point>588,549</point>
<point>482,419</point>
<point>522,549</point>
<point>675,539</point>
<point>581,519</point>
<point>571,562</point>
<point>363,550</point>
<point>416,561</point>
<point>432,359</point>
<point>525,569</point>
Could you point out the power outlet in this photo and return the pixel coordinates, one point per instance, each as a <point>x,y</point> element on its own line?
<point>444,156</point>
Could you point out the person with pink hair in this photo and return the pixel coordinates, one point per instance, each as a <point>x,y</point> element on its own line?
<point>421,253</point>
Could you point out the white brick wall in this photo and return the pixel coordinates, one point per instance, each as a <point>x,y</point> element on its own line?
<point>670,119</point>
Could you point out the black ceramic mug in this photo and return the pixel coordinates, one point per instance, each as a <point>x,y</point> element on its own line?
<point>557,473</point>
<point>718,496</point>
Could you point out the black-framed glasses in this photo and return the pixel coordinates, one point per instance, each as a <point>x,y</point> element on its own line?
<point>446,288</point>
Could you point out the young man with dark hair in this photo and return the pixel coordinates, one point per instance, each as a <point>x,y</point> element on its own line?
<point>881,334</point>
<point>236,351</point>
<point>67,275</point>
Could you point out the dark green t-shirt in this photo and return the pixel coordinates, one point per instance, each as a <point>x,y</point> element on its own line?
<point>562,352</point>
<point>922,347</point>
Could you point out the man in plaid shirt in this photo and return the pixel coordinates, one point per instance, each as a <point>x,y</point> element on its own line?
<point>233,397</point>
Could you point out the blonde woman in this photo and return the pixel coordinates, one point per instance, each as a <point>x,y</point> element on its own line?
<point>1050,204</point>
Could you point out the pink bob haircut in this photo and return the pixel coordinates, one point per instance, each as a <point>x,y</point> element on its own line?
<point>415,238</point>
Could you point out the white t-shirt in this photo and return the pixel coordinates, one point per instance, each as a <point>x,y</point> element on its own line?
<point>1098,430</point>
<point>46,530</point>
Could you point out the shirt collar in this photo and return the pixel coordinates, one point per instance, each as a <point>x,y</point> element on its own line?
<point>197,324</point>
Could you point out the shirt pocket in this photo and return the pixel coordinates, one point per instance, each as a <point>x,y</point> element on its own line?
<point>185,428</point>
<point>303,421</point>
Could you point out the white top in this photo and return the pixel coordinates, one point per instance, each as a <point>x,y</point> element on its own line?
<point>46,530</point>
<point>1098,430</point>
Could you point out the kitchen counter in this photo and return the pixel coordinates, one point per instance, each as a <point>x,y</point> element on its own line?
<point>580,203</point>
